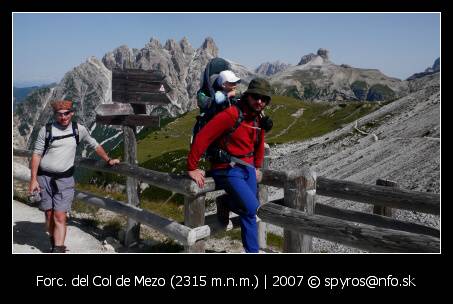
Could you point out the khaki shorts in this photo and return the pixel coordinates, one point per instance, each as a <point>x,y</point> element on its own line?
<point>56,194</point>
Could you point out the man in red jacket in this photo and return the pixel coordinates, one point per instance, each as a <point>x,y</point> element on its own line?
<point>238,155</point>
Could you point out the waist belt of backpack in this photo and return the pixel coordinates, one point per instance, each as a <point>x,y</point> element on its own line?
<point>67,173</point>
<point>237,159</point>
<point>240,161</point>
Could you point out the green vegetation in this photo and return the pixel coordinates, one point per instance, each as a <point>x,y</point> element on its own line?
<point>316,119</point>
<point>380,92</point>
<point>311,91</point>
<point>360,89</point>
<point>274,240</point>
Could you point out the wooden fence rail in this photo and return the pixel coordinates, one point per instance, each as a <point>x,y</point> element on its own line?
<point>374,239</point>
<point>379,195</point>
<point>186,235</point>
<point>369,194</point>
<point>304,220</point>
<point>369,219</point>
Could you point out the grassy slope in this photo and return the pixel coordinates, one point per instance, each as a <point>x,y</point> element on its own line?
<point>316,120</point>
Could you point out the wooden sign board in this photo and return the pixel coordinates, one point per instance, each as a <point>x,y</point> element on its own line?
<point>139,86</point>
<point>111,109</point>
<point>140,97</point>
<point>124,114</point>
<point>129,120</point>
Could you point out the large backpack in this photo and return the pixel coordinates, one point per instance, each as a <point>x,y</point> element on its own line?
<point>210,74</point>
<point>216,154</point>
<point>49,138</point>
<point>208,88</point>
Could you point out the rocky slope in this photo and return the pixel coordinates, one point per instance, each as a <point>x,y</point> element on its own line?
<point>316,77</point>
<point>271,68</point>
<point>407,151</point>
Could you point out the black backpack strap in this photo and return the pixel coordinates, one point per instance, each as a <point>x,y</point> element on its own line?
<point>235,126</point>
<point>47,138</point>
<point>75,132</point>
<point>258,132</point>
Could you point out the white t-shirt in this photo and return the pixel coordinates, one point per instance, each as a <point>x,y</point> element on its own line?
<point>61,153</point>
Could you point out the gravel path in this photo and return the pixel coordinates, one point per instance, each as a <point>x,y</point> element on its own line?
<point>29,234</point>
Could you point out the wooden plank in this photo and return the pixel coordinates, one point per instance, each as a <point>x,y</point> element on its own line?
<point>138,86</point>
<point>143,80</point>
<point>130,120</point>
<point>194,210</point>
<point>132,233</point>
<point>382,210</point>
<point>263,198</point>
<point>373,239</point>
<point>299,194</point>
<point>138,74</point>
<point>172,229</point>
<point>370,219</point>
<point>140,97</point>
<point>114,109</point>
<point>380,195</point>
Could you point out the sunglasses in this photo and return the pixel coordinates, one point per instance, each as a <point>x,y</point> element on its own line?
<point>265,99</point>
<point>63,113</point>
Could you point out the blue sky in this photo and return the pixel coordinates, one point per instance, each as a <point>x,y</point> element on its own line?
<point>46,46</point>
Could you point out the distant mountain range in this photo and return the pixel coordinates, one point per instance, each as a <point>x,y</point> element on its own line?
<point>21,93</point>
<point>89,84</point>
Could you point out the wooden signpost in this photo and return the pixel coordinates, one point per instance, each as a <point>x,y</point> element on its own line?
<point>132,90</point>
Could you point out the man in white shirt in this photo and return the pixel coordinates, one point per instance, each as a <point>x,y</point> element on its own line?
<point>52,168</point>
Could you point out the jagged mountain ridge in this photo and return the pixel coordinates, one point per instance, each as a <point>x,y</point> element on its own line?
<point>89,85</point>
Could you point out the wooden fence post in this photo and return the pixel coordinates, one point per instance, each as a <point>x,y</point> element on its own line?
<point>194,213</point>
<point>382,210</point>
<point>132,233</point>
<point>263,198</point>
<point>299,193</point>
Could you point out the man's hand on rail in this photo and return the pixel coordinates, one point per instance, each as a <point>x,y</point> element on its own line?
<point>198,176</point>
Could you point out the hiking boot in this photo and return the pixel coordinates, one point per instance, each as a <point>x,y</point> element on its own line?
<point>59,249</point>
<point>223,212</point>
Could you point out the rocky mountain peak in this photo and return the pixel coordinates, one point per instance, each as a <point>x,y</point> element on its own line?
<point>154,43</point>
<point>321,57</point>
<point>430,70</point>
<point>121,57</point>
<point>306,59</point>
<point>210,47</point>
<point>435,67</point>
<point>172,45</point>
<point>186,47</point>
<point>271,68</point>
<point>324,53</point>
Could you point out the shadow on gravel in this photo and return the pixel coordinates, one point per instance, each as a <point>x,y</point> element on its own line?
<point>31,234</point>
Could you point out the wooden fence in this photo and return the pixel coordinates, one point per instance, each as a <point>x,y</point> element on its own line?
<point>297,212</point>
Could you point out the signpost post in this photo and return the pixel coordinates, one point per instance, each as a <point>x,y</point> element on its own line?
<point>132,90</point>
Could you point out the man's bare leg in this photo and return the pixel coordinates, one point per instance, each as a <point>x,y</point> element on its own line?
<point>60,227</point>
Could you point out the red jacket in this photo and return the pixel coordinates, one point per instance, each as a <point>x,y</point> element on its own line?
<point>242,141</point>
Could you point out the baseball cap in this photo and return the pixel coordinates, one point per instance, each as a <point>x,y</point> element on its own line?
<point>228,76</point>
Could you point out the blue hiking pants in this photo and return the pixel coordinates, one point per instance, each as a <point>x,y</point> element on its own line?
<point>240,183</point>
